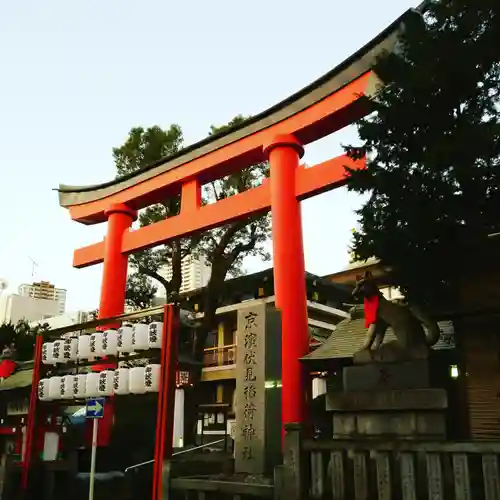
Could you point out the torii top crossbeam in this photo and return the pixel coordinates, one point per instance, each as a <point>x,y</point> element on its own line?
<point>335,100</point>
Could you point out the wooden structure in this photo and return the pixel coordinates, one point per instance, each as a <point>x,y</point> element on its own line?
<point>277,135</point>
<point>324,305</point>
<point>386,470</point>
<point>345,470</point>
<point>168,362</point>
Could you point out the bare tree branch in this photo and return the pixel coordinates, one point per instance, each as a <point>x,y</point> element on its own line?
<point>154,275</point>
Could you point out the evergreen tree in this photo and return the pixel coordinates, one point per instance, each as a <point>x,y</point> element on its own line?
<point>433,149</point>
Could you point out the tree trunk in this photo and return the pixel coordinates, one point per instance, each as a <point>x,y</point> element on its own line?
<point>176,263</point>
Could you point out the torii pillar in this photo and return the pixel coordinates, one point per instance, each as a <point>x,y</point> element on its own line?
<point>114,275</point>
<point>284,152</point>
<point>113,289</point>
<point>115,266</point>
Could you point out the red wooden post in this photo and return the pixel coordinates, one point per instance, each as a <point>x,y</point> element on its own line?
<point>289,272</point>
<point>114,274</point>
<point>31,420</point>
<point>166,397</point>
<point>113,287</point>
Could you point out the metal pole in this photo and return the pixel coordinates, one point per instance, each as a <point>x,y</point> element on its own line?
<point>225,429</point>
<point>95,427</point>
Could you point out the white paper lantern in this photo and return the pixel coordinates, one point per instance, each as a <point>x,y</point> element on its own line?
<point>318,387</point>
<point>58,351</point>
<point>140,337</point>
<point>70,350</point>
<point>155,332</point>
<point>48,353</point>
<point>121,381</point>
<point>136,380</point>
<point>67,387</point>
<point>43,390</point>
<point>106,383</point>
<point>84,347</point>
<point>92,385</point>
<point>79,385</point>
<point>96,349</point>
<point>110,342</point>
<point>124,343</point>
<point>152,378</point>
<point>55,388</point>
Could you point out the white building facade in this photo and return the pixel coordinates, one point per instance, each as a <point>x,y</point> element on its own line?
<point>14,308</point>
<point>195,274</point>
<point>66,319</point>
<point>44,290</point>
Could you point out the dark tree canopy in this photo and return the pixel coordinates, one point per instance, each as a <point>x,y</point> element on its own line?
<point>22,336</point>
<point>433,145</point>
<point>140,291</point>
<point>144,147</point>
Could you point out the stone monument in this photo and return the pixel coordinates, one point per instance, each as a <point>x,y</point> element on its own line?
<point>258,389</point>
<point>387,393</point>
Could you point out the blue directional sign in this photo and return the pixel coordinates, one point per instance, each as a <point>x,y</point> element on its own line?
<point>95,408</point>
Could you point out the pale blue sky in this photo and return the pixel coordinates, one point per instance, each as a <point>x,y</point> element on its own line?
<point>76,76</point>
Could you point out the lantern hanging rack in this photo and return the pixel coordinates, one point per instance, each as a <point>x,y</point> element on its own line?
<point>56,333</point>
<point>161,378</point>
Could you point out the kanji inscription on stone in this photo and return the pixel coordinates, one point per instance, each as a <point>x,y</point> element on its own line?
<point>250,390</point>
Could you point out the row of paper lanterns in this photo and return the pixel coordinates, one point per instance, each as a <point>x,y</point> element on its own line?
<point>122,381</point>
<point>127,339</point>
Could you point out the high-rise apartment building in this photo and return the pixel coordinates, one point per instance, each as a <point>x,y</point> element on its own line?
<point>45,290</point>
<point>195,274</point>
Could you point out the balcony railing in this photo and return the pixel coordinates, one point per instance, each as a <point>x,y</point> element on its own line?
<point>226,355</point>
<point>220,356</point>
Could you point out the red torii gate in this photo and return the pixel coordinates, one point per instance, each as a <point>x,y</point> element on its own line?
<point>337,99</point>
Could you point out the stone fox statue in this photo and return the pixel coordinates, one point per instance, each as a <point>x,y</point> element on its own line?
<point>407,322</point>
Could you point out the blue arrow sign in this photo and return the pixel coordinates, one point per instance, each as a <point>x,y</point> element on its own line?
<point>95,408</point>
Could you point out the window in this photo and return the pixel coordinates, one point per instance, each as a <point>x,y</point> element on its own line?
<point>211,339</point>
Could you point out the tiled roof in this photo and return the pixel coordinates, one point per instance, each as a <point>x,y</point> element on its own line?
<point>17,380</point>
<point>349,337</point>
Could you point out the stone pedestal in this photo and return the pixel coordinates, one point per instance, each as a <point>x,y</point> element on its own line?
<point>388,401</point>
<point>385,376</point>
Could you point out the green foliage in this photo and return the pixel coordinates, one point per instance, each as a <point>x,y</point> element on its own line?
<point>433,144</point>
<point>140,291</point>
<point>7,334</point>
<point>23,336</point>
<point>144,147</point>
